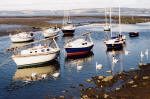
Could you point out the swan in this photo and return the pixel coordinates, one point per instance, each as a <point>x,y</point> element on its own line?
<point>79,67</point>
<point>141,55</point>
<point>55,75</point>
<point>44,76</point>
<point>114,60</point>
<point>146,53</point>
<point>126,53</point>
<point>99,66</point>
<point>33,74</point>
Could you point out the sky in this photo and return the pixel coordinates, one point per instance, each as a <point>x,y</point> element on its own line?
<point>69,4</point>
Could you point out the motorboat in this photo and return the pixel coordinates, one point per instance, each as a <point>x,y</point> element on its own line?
<point>22,37</point>
<point>133,34</point>
<point>50,32</point>
<point>79,45</point>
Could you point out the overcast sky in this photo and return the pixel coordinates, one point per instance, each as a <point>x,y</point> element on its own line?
<point>69,4</point>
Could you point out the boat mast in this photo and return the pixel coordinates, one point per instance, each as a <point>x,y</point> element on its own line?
<point>69,18</point>
<point>119,21</point>
<point>64,19</point>
<point>110,23</point>
<point>55,43</point>
<point>105,17</point>
<point>90,37</point>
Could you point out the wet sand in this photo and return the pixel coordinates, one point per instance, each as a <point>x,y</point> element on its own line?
<point>41,22</point>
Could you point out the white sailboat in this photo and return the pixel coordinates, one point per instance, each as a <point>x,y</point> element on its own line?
<point>67,28</point>
<point>50,32</point>
<point>36,55</point>
<point>106,26</point>
<point>22,37</point>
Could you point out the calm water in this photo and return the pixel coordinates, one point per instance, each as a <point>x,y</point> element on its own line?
<point>12,87</point>
<point>5,28</point>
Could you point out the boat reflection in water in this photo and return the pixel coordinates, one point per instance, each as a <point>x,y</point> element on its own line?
<point>37,73</point>
<point>114,57</point>
<point>79,59</point>
<point>114,52</point>
<point>14,45</point>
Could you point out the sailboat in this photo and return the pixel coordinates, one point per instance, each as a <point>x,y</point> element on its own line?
<point>36,55</point>
<point>68,28</point>
<point>106,26</point>
<point>78,46</point>
<point>114,42</point>
<point>120,36</point>
<point>22,37</point>
<point>50,32</point>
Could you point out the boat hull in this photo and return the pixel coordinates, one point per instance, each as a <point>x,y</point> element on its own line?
<point>133,34</point>
<point>50,34</point>
<point>24,61</point>
<point>68,32</point>
<point>78,51</point>
<point>20,40</point>
<point>114,46</point>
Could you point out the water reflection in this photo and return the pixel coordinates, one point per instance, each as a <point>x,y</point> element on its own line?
<point>80,59</point>
<point>115,58</point>
<point>37,73</point>
<point>14,45</point>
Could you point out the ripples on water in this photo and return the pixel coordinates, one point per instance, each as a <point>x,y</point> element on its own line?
<point>13,84</point>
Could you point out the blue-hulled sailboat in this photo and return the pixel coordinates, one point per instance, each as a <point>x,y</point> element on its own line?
<point>78,46</point>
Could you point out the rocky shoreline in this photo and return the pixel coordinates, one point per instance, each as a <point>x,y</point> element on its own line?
<point>135,84</point>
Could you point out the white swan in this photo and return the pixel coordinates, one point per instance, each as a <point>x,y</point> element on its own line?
<point>99,66</point>
<point>141,55</point>
<point>79,67</point>
<point>55,75</point>
<point>33,74</point>
<point>44,76</point>
<point>114,60</point>
<point>146,53</point>
<point>126,53</point>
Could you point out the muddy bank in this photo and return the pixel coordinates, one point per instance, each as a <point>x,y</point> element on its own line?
<point>42,22</point>
<point>134,84</point>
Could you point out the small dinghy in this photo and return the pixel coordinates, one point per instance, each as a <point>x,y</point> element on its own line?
<point>78,46</point>
<point>22,37</point>
<point>51,32</point>
<point>134,34</point>
<point>36,55</point>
